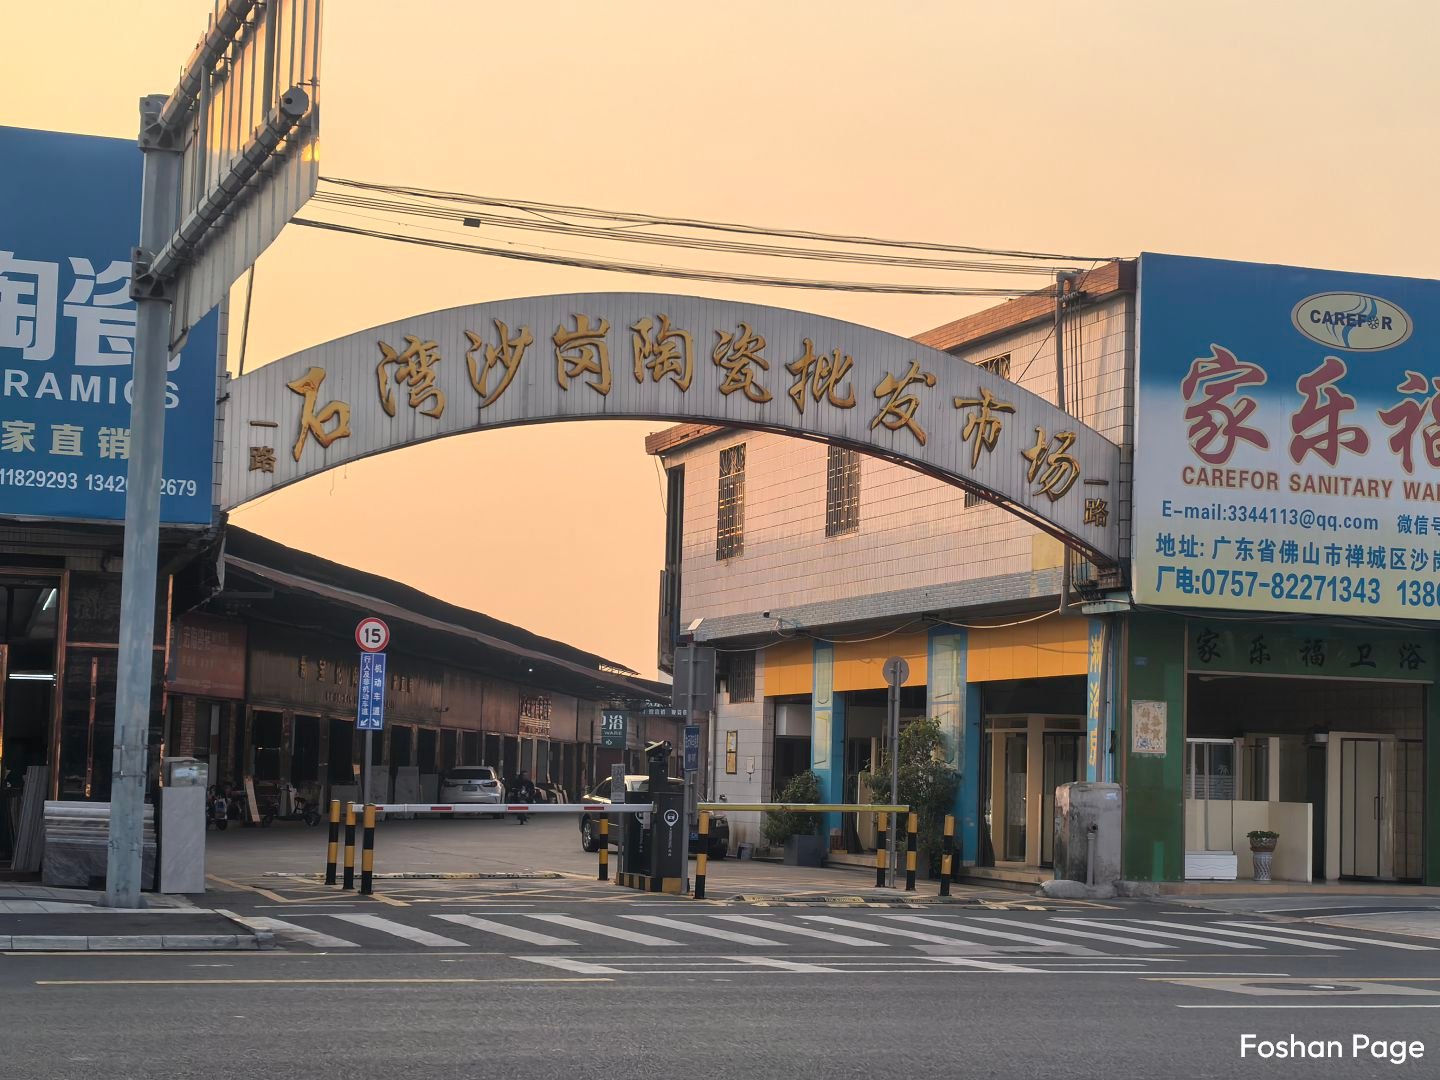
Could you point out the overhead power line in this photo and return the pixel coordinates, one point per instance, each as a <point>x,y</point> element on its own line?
<point>630,218</point>
<point>652,270</point>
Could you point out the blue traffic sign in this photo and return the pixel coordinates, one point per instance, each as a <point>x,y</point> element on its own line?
<point>692,748</point>
<point>370,715</point>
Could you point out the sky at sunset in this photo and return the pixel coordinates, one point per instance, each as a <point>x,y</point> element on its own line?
<point>1296,132</point>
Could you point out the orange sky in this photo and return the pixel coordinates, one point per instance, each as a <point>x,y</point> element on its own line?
<point>1300,132</point>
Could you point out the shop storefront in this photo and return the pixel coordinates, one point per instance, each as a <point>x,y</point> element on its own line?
<point>1280,676</point>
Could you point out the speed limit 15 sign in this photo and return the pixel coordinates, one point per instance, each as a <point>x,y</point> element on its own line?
<point>372,635</point>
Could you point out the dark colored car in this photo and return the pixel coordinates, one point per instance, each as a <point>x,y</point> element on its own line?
<point>600,796</point>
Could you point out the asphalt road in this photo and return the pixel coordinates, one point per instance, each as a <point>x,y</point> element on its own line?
<point>956,1002</point>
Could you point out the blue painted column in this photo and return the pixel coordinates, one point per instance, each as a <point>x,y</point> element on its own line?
<point>827,734</point>
<point>945,694</point>
<point>970,778</point>
<point>1095,702</point>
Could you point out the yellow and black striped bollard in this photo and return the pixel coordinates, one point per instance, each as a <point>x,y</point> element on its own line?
<point>367,853</point>
<point>332,850</point>
<point>947,856</point>
<point>912,826</point>
<point>702,855</point>
<point>604,847</point>
<point>349,880</point>
<point>881,846</point>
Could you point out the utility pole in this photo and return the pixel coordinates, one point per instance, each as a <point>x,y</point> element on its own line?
<point>896,671</point>
<point>198,181</point>
<point>159,218</point>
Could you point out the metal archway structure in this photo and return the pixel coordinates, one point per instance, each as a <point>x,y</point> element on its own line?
<point>647,356</point>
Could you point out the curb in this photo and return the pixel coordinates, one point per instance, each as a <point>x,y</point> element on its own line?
<point>132,942</point>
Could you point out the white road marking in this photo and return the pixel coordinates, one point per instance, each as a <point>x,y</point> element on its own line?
<point>1336,937</point>
<point>579,966</point>
<point>1164,934</point>
<point>603,930</point>
<point>703,930</point>
<point>895,931</point>
<point>1208,929</point>
<point>400,930</point>
<point>1051,928</point>
<point>293,930</point>
<point>489,926</point>
<point>965,928</point>
<point>786,965</point>
<point>804,931</point>
<point>990,965</point>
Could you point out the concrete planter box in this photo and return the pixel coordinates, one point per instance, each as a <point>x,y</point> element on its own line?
<point>805,851</point>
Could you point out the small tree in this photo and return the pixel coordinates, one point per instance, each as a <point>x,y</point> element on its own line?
<point>780,825</point>
<point>927,782</point>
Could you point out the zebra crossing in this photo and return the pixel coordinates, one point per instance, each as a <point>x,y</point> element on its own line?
<point>953,935</point>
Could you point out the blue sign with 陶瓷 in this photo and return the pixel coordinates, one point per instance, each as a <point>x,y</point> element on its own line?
<point>69,218</point>
<point>692,748</point>
<point>1287,441</point>
<point>370,706</point>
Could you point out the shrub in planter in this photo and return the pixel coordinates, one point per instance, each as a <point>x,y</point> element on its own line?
<point>927,784</point>
<point>779,826</point>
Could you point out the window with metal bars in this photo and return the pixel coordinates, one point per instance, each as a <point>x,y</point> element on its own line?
<point>842,491</point>
<point>730,511</point>
<point>996,365</point>
<point>741,680</point>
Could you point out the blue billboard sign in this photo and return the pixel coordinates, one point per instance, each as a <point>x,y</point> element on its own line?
<point>69,217</point>
<point>1288,440</point>
<point>692,748</point>
<point>370,706</point>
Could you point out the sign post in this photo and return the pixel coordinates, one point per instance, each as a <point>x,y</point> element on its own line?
<point>896,671</point>
<point>372,635</point>
<point>208,206</point>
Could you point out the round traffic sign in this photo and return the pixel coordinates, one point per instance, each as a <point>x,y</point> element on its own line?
<point>896,671</point>
<point>372,635</point>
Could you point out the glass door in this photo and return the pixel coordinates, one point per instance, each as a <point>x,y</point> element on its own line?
<point>1015,796</point>
<point>1062,766</point>
<point>1360,808</point>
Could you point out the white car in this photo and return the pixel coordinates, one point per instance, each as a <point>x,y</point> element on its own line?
<point>472,784</point>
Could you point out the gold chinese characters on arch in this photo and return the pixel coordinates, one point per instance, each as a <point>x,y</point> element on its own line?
<point>675,359</point>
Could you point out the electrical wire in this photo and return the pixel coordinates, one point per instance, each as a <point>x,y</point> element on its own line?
<point>652,270</point>
<point>473,219</point>
<point>560,209</point>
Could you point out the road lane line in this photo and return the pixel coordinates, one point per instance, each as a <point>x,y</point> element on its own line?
<point>291,930</point>
<point>703,930</point>
<point>1165,934</point>
<point>991,965</point>
<point>603,930</point>
<point>565,964</point>
<point>400,930</point>
<point>528,936</point>
<point>803,931</point>
<point>300,982</point>
<point>787,965</point>
<point>1335,937</point>
<point>1050,928</point>
<point>1209,929</point>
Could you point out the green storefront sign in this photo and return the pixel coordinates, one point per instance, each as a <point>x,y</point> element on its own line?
<point>1324,652</point>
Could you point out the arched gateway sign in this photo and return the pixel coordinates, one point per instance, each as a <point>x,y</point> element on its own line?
<point>625,356</point>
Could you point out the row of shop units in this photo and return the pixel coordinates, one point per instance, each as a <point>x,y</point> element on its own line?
<point>1326,734</point>
<point>257,673</point>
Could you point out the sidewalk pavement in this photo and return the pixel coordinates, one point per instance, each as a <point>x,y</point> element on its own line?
<point>35,918</point>
<point>1407,910</point>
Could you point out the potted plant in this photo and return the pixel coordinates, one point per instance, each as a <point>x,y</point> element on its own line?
<point>797,832</point>
<point>1262,850</point>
